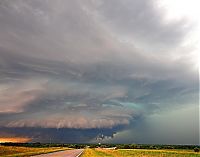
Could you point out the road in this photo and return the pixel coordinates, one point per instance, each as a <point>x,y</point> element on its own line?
<point>66,153</point>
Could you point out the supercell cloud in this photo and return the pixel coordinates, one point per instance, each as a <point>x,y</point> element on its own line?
<point>120,68</point>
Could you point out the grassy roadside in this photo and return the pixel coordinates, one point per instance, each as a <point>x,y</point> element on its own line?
<point>94,153</point>
<point>13,151</point>
<point>138,153</point>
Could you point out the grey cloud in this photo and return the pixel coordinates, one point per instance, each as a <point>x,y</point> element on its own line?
<point>143,21</point>
<point>36,37</point>
<point>62,64</point>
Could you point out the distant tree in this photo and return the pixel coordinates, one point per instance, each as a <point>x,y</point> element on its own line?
<point>126,146</point>
<point>152,147</point>
<point>133,146</point>
<point>196,149</point>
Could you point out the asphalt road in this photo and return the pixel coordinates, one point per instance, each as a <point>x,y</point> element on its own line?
<point>66,153</point>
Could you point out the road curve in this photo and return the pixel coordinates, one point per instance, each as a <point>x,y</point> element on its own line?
<point>66,153</point>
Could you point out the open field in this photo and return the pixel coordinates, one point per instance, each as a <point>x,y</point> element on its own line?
<point>138,153</point>
<point>13,151</point>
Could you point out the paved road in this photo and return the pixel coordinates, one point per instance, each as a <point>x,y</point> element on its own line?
<point>66,153</point>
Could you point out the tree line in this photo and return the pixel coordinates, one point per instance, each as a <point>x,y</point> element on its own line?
<point>116,146</point>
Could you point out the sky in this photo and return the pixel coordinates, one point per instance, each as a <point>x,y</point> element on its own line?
<point>115,71</point>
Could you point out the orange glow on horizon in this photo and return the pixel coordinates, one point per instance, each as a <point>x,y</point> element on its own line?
<point>14,139</point>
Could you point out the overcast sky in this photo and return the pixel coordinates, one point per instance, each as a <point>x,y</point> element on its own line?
<point>71,70</point>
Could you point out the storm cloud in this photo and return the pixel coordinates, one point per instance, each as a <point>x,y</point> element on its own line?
<point>90,67</point>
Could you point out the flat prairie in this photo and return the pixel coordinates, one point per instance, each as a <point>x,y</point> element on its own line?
<point>138,153</point>
<point>14,151</point>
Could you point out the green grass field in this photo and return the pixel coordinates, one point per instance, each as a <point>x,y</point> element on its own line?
<point>13,151</point>
<point>138,153</point>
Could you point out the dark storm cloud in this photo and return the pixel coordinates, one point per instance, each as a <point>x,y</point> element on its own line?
<point>77,65</point>
<point>59,135</point>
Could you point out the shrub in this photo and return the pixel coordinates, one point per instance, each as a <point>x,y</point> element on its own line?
<point>196,149</point>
